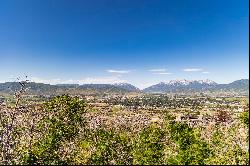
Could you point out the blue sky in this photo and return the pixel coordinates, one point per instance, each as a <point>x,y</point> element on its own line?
<point>142,42</point>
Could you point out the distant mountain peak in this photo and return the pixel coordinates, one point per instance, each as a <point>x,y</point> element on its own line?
<point>207,81</point>
<point>188,82</point>
<point>126,86</point>
<point>182,85</point>
<point>180,82</point>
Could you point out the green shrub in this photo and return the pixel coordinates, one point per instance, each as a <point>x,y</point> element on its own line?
<point>111,148</point>
<point>149,147</point>
<point>62,122</point>
<point>244,118</point>
<point>191,148</point>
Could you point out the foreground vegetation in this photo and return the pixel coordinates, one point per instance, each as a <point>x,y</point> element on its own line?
<point>57,132</point>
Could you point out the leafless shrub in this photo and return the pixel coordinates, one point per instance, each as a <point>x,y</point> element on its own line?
<point>9,128</point>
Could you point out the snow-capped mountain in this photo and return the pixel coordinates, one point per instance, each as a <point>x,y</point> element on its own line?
<point>189,82</point>
<point>179,82</point>
<point>181,85</point>
<point>207,81</point>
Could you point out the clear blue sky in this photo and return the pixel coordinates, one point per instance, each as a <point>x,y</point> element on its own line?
<point>142,42</point>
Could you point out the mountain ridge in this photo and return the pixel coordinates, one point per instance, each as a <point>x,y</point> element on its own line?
<point>196,85</point>
<point>181,85</point>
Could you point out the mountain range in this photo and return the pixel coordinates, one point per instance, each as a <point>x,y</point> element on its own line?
<point>198,85</point>
<point>173,86</point>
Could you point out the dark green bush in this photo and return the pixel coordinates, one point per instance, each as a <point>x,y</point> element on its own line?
<point>244,118</point>
<point>62,122</point>
<point>149,147</point>
<point>191,148</point>
<point>111,148</point>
